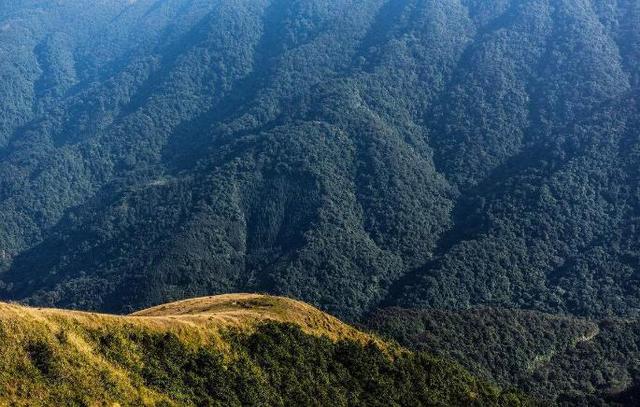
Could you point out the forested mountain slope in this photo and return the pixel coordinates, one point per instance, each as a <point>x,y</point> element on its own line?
<point>351,153</point>
<point>562,360</point>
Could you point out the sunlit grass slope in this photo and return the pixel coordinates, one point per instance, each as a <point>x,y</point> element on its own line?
<point>241,349</point>
<point>244,311</point>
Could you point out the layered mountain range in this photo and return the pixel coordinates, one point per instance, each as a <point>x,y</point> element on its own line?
<point>449,158</point>
<point>349,153</point>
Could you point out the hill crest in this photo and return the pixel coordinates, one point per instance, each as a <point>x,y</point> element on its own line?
<point>232,350</point>
<point>212,314</point>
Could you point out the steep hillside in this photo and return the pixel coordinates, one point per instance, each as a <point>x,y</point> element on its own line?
<point>562,359</point>
<point>229,350</point>
<point>350,153</point>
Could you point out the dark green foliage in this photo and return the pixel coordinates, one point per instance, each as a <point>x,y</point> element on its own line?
<point>562,359</point>
<point>42,357</point>
<point>436,153</point>
<point>195,376</point>
<point>279,365</point>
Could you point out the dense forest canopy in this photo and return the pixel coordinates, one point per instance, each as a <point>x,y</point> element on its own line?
<point>443,171</point>
<point>558,359</point>
<point>350,153</point>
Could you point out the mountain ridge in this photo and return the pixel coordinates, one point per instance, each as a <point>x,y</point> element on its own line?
<point>239,349</point>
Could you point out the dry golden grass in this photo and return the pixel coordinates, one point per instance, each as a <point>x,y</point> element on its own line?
<point>71,336</point>
<point>67,335</point>
<point>198,318</point>
<point>244,311</point>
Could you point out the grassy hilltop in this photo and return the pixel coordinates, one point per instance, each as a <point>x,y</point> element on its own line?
<point>238,349</point>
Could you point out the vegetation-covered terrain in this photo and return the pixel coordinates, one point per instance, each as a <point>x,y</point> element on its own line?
<point>565,360</point>
<point>235,350</point>
<point>437,155</point>
<point>349,153</point>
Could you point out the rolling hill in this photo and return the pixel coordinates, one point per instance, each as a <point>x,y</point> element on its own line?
<point>228,350</point>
